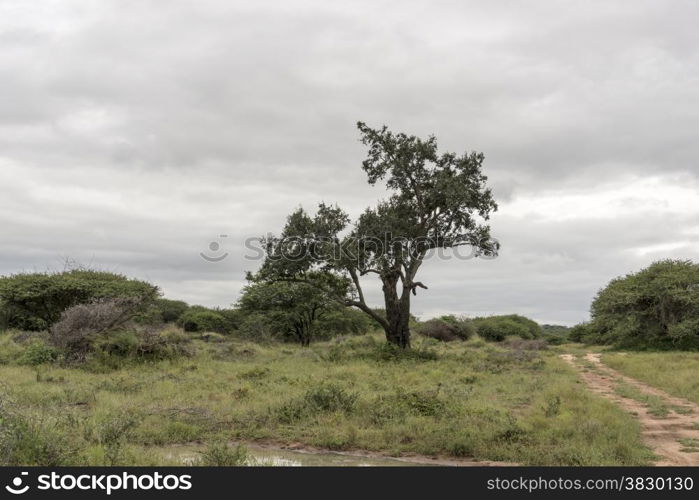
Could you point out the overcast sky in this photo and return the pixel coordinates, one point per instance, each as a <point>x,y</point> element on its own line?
<point>135,133</point>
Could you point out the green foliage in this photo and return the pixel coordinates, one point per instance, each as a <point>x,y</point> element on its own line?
<point>498,328</point>
<point>481,400</point>
<point>580,332</point>
<point>343,321</point>
<point>142,345</point>
<point>220,454</point>
<point>38,352</point>
<point>293,309</point>
<point>330,397</point>
<point>198,319</point>
<point>10,351</point>
<point>556,334</point>
<point>170,310</point>
<point>35,301</point>
<point>387,408</point>
<point>657,307</point>
<point>367,348</point>
<point>31,439</point>
<point>447,328</point>
<point>319,399</point>
<point>112,431</point>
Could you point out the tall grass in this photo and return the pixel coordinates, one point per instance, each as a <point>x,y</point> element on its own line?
<point>675,372</point>
<point>472,399</point>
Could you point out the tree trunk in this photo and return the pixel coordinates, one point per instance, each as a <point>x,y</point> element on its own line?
<point>397,314</point>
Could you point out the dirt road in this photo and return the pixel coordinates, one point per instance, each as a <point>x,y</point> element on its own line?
<point>673,436</point>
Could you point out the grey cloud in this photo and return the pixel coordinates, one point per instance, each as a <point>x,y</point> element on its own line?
<point>133,133</point>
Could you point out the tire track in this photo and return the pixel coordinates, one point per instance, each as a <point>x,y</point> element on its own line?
<point>663,434</point>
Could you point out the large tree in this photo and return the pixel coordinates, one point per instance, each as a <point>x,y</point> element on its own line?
<point>435,201</point>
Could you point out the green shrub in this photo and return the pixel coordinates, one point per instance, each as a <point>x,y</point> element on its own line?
<point>556,334</point>
<point>10,351</point>
<point>368,348</point>
<point>197,320</point>
<point>396,406</point>
<point>447,329</point>
<point>580,333</point>
<point>38,353</point>
<point>342,321</point>
<point>497,328</point>
<point>392,352</point>
<point>657,307</point>
<point>36,301</point>
<point>170,310</point>
<point>329,398</point>
<point>223,455</point>
<point>145,344</point>
<point>29,439</point>
<point>324,398</point>
<point>112,432</point>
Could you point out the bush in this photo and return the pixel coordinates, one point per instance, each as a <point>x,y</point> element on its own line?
<point>497,328</point>
<point>34,440</point>
<point>366,347</point>
<point>580,333</point>
<point>145,344</point>
<point>447,329</point>
<point>329,398</point>
<point>656,307</point>
<point>525,345</point>
<point>112,432</point>
<point>556,334</point>
<point>36,301</point>
<point>222,455</point>
<point>392,352</point>
<point>10,351</point>
<point>343,321</point>
<point>38,353</point>
<point>170,310</point>
<point>258,327</point>
<point>401,404</point>
<point>324,398</point>
<point>203,320</point>
<point>80,325</point>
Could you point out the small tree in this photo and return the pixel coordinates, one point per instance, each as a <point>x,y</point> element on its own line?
<point>35,301</point>
<point>436,201</point>
<point>657,306</point>
<point>291,308</point>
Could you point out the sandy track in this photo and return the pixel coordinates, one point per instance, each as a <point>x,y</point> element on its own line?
<point>661,434</point>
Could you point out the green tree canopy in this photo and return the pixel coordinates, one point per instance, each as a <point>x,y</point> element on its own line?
<point>292,307</point>
<point>655,307</point>
<point>34,301</point>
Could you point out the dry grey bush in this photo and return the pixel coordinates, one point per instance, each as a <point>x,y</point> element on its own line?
<point>525,345</point>
<point>80,324</point>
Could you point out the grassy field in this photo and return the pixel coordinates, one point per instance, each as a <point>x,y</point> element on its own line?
<point>675,372</point>
<point>461,399</point>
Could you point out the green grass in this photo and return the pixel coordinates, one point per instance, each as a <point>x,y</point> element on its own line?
<point>690,445</point>
<point>461,399</point>
<point>673,372</point>
<point>656,406</point>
